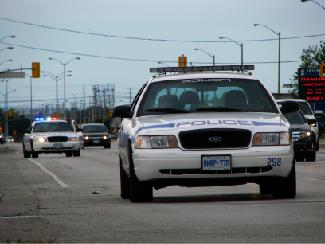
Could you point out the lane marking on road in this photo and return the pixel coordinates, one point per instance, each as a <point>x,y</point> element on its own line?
<point>19,217</point>
<point>56,178</point>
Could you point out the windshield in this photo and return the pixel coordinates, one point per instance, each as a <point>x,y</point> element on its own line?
<point>295,117</point>
<point>94,128</point>
<point>211,94</point>
<point>52,127</point>
<point>305,108</point>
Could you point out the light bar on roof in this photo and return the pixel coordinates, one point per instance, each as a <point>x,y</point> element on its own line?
<point>201,68</point>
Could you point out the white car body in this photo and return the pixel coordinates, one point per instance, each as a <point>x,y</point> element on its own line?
<point>183,166</point>
<point>35,143</point>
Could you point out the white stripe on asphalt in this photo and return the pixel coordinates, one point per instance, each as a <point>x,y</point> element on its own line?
<point>56,178</point>
<point>19,217</point>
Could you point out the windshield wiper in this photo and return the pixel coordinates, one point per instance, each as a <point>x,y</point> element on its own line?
<point>167,110</point>
<point>222,109</point>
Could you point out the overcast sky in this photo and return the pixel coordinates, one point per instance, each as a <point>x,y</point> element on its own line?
<point>173,20</point>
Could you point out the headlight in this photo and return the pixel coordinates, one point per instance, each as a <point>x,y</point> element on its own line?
<point>86,137</point>
<point>73,138</point>
<point>304,134</point>
<point>272,139</point>
<point>105,137</point>
<point>312,125</point>
<point>40,139</point>
<point>156,142</point>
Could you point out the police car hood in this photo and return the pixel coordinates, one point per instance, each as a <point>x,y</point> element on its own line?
<point>205,120</point>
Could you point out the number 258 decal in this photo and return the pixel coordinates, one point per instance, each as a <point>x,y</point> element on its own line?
<point>274,162</point>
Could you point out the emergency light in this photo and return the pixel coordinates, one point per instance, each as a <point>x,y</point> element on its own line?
<point>201,68</point>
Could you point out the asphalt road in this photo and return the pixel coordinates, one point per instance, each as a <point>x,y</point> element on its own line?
<point>59,199</point>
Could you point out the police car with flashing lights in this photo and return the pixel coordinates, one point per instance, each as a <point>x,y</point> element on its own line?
<point>194,126</point>
<point>51,136</point>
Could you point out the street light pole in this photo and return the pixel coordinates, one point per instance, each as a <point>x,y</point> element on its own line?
<point>279,53</point>
<point>4,37</point>
<point>241,50</point>
<point>64,64</point>
<point>8,60</point>
<point>314,2</point>
<point>6,107</point>
<point>206,52</point>
<point>56,78</point>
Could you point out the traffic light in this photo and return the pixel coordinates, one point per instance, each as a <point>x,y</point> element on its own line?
<point>322,70</point>
<point>182,61</point>
<point>11,113</point>
<point>36,70</point>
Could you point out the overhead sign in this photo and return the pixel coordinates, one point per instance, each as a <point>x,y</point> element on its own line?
<point>10,75</point>
<point>311,84</point>
<point>201,68</point>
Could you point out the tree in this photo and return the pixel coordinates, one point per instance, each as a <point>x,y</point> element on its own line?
<point>311,57</point>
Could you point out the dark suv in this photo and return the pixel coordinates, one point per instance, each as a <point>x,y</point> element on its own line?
<point>301,136</point>
<point>96,134</point>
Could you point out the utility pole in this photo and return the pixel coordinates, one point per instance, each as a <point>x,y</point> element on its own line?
<point>104,107</point>
<point>6,111</point>
<point>84,95</point>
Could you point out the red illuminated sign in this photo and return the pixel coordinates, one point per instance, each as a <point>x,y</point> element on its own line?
<point>311,85</point>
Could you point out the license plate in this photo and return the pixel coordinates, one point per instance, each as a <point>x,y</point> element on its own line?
<point>58,145</point>
<point>95,141</point>
<point>216,162</point>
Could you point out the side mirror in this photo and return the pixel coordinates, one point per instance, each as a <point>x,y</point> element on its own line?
<point>123,111</point>
<point>289,107</point>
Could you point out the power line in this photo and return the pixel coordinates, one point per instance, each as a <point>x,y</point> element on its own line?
<point>139,38</point>
<point>131,59</point>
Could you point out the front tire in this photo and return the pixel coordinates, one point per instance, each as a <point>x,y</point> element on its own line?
<point>138,191</point>
<point>311,156</point>
<point>286,187</point>
<point>68,154</point>
<point>300,156</point>
<point>34,155</point>
<point>124,183</point>
<point>76,153</point>
<point>26,153</point>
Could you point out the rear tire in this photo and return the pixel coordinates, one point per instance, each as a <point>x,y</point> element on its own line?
<point>286,187</point>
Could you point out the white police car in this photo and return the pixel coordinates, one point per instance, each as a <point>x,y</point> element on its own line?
<point>51,136</point>
<point>201,128</point>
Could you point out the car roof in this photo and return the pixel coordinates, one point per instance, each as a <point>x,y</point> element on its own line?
<point>200,75</point>
<point>90,124</point>
<point>291,99</point>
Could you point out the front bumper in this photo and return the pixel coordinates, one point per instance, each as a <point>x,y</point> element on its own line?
<point>56,147</point>
<point>303,145</point>
<point>96,142</point>
<point>173,164</point>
